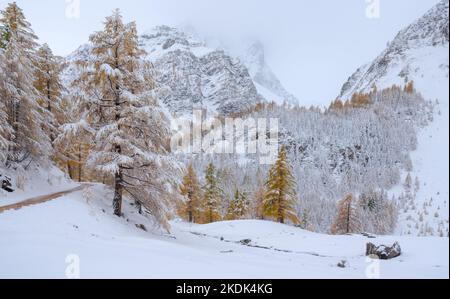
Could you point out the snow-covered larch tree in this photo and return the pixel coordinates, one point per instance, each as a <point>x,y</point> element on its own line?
<point>5,128</point>
<point>238,207</point>
<point>191,190</point>
<point>48,83</point>
<point>280,197</point>
<point>131,132</point>
<point>20,97</point>
<point>348,219</point>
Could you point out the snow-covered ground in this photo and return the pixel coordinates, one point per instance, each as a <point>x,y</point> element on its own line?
<point>44,241</point>
<point>35,183</point>
<point>430,213</point>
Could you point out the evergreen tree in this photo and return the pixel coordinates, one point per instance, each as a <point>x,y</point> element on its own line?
<point>212,195</point>
<point>48,83</point>
<point>258,202</point>
<point>191,190</point>
<point>5,128</point>
<point>4,36</point>
<point>408,182</point>
<point>348,219</point>
<point>280,197</point>
<point>19,95</point>
<point>131,132</point>
<point>238,207</point>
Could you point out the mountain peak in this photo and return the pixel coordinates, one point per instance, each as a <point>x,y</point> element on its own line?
<point>417,49</point>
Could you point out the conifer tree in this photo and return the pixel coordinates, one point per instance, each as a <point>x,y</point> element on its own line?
<point>130,131</point>
<point>191,190</point>
<point>280,196</point>
<point>409,87</point>
<point>212,195</point>
<point>347,220</point>
<point>48,83</point>
<point>20,96</point>
<point>5,128</point>
<point>4,36</point>
<point>238,207</point>
<point>258,202</point>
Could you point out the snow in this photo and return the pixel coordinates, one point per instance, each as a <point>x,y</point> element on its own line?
<point>428,68</point>
<point>37,240</point>
<point>431,160</point>
<point>427,64</point>
<point>35,183</point>
<point>268,95</point>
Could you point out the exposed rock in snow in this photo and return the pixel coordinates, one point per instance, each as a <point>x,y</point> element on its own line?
<point>384,252</point>
<point>265,80</point>
<point>5,184</point>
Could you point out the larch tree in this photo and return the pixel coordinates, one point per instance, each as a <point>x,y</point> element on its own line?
<point>191,190</point>
<point>348,219</point>
<point>5,128</point>
<point>258,202</point>
<point>130,130</point>
<point>212,196</point>
<point>280,197</point>
<point>238,207</point>
<point>48,83</point>
<point>28,140</point>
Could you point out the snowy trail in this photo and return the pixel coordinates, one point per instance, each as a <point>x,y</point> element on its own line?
<point>41,199</point>
<point>37,241</point>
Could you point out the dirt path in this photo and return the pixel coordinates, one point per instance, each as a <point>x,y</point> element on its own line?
<point>40,199</point>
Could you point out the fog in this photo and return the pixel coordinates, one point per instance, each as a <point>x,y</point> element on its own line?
<point>313,46</point>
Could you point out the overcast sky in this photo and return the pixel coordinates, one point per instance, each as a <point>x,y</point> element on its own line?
<point>312,45</point>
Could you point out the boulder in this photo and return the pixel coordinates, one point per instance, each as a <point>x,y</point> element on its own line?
<point>5,184</point>
<point>384,252</point>
<point>245,242</point>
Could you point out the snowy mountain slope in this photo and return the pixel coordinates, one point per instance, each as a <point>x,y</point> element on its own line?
<point>266,81</point>
<point>41,242</point>
<point>420,53</point>
<point>409,55</point>
<point>192,75</point>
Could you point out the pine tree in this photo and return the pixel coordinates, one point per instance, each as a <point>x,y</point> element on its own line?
<point>212,195</point>
<point>238,207</point>
<point>191,190</point>
<point>48,83</point>
<point>20,97</point>
<point>280,197</point>
<point>131,132</point>
<point>347,220</point>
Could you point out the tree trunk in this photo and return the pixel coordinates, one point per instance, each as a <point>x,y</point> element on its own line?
<point>80,167</point>
<point>280,208</point>
<point>69,169</point>
<point>118,192</point>
<point>348,217</point>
